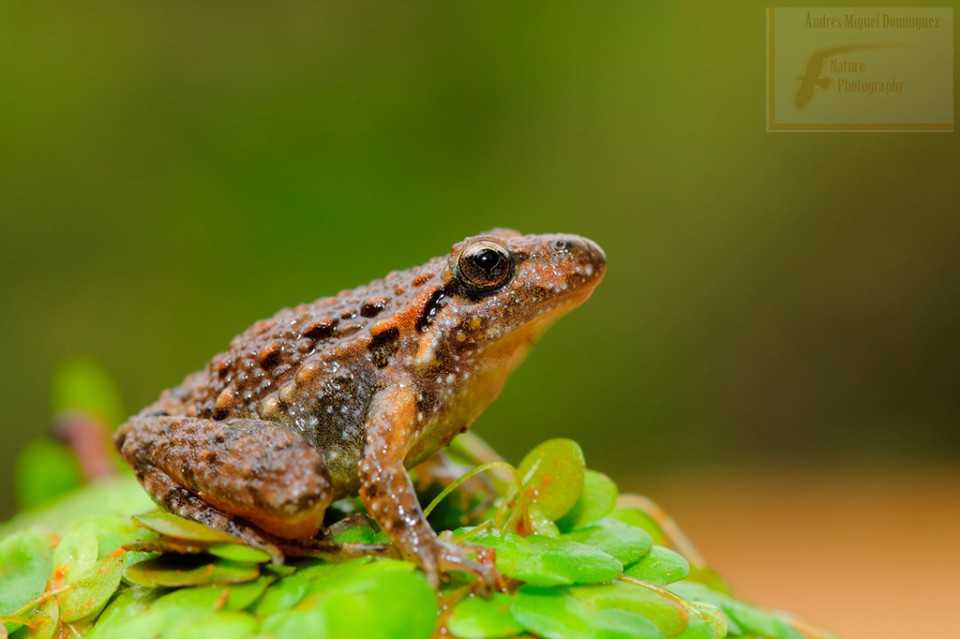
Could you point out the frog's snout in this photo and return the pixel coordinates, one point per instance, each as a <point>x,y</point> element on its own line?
<point>585,259</point>
<point>595,255</point>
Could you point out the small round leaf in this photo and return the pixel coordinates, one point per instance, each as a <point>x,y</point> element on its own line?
<point>45,619</point>
<point>626,543</point>
<point>25,566</point>
<point>75,555</point>
<point>160,521</point>
<point>553,614</point>
<point>666,611</point>
<point>91,591</point>
<point>661,566</point>
<point>598,499</point>
<point>478,618</point>
<point>189,570</point>
<point>238,552</point>
<point>545,561</point>
<point>553,475</point>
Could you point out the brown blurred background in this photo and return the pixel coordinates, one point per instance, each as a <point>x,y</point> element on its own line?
<point>774,355</point>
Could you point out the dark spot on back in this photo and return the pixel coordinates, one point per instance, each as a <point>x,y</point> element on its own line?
<point>432,308</point>
<point>223,364</point>
<point>421,279</point>
<point>384,345</point>
<point>270,355</point>
<point>321,329</point>
<point>372,308</point>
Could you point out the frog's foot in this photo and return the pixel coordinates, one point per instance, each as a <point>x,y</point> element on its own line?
<point>442,557</point>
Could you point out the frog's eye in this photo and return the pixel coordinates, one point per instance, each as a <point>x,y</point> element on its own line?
<point>484,266</point>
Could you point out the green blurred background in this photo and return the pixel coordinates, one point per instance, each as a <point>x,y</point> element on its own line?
<point>172,173</point>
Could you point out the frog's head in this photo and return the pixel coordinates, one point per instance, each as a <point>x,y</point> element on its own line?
<point>502,289</point>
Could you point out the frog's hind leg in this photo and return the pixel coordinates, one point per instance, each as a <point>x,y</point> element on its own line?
<point>215,472</point>
<point>183,503</point>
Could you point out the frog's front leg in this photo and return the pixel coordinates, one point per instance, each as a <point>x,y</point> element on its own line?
<point>389,495</point>
<point>221,473</point>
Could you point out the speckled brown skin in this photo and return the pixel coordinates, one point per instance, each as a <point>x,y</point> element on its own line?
<point>341,396</point>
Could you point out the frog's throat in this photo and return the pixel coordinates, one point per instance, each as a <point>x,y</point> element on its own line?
<point>459,412</point>
<point>528,332</point>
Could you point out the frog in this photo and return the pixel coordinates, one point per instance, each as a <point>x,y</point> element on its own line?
<point>340,397</point>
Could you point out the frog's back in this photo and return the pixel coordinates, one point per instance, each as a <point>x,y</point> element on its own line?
<point>353,339</point>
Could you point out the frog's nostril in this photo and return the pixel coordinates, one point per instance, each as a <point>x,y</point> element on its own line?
<point>560,246</point>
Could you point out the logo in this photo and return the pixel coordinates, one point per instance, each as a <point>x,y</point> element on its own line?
<point>814,76</point>
<point>860,69</point>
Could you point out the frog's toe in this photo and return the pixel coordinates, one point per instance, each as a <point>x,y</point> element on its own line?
<point>454,557</point>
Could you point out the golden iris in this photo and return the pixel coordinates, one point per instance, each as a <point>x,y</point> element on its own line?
<point>484,266</point>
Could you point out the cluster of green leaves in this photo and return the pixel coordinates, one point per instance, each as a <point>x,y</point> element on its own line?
<point>577,561</point>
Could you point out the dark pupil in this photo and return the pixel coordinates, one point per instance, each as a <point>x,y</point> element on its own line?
<point>486,259</point>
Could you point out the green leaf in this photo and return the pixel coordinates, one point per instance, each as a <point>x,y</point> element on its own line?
<point>626,543</point>
<point>25,566</point>
<point>238,552</point>
<point>45,470</point>
<point>660,567</point>
<point>46,619</point>
<point>553,614</point>
<point>641,519</point>
<point>90,591</point>
<point>112,532</point>
<point>760,622</point>
<point>598,499</point>
<point>160,521</point>
<point>189,570</point>
<point>128,616</point>
<point>700,629</point>
<point>666,611</point>
<point>318,576</point>
<point>393,605</point>
<point>213,597</point>
<point>711,615</point>
<point>383,598</point>
<point>540,524</point>
<point>75,555</point>
<point>356,535</point>
<point>302,624</point>
<point>232,624</point>
<point>478,618</point>
<point>283,595</point>
<point>544,561</point>
<point>553,475</point>
<point>750,619</point>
